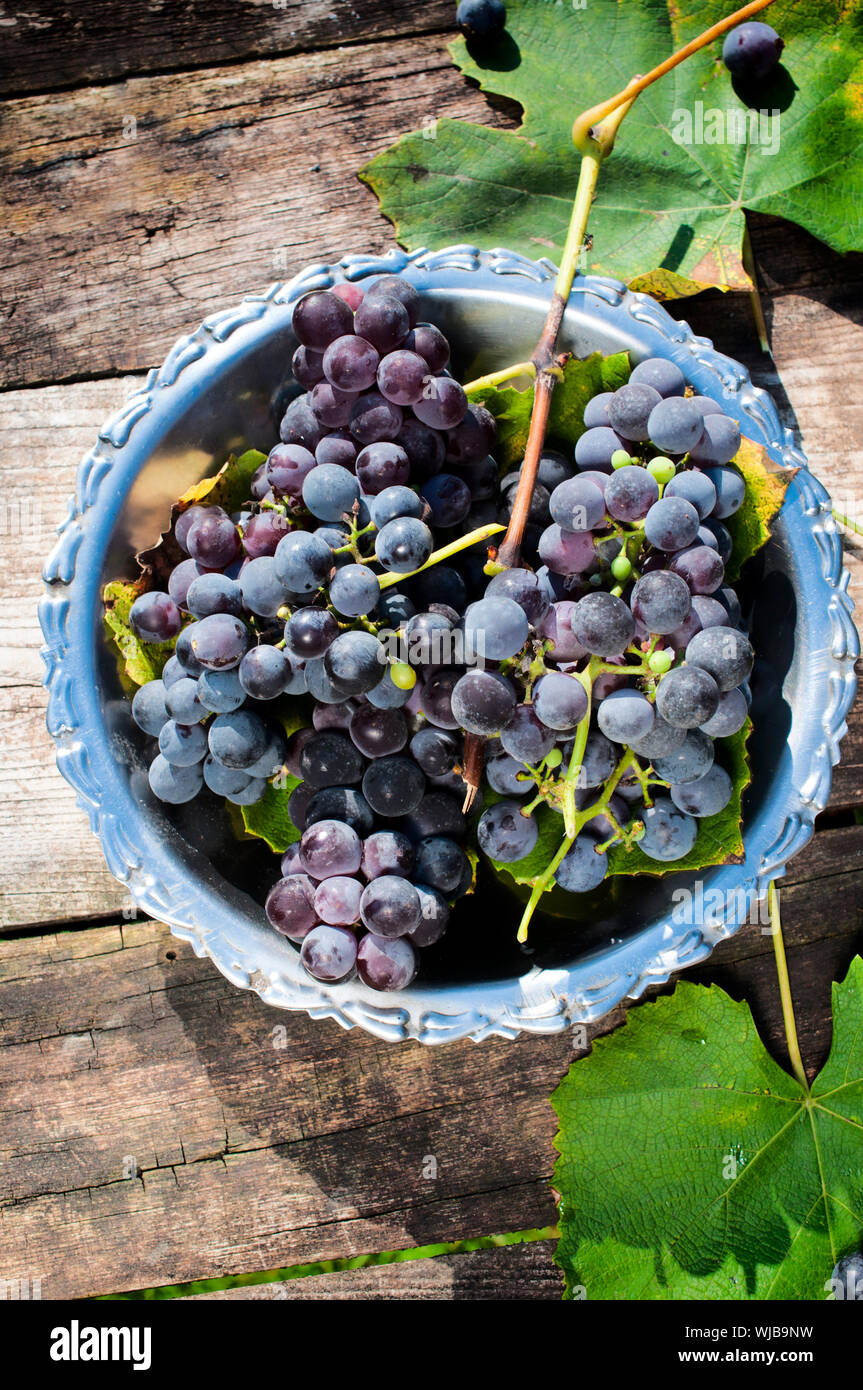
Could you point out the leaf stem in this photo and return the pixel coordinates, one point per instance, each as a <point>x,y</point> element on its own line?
<point>488,383</point>
<point>482,533</point>
<point>785,989</point>
<point>748,258</point>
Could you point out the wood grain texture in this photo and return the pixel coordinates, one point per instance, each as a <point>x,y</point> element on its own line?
<point>51,866</point>
<point>235,177</point>
<point>56,43</point>
<point>514,1273</point>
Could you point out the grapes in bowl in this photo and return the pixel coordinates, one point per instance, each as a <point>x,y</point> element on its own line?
<point>386,906</point>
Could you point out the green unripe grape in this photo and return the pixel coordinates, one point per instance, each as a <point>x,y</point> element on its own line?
<point>554,758</point>
<point>403,677</point>
<point>620,458</point>
<point>621,568</point>
<point>660,662</point>
<point>662,469</point>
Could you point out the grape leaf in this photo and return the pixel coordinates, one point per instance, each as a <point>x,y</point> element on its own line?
<point>693,1167</point>
<point>765,493</point>
<point>269,819</point>
<point>583,378</point>
<point>143,661</point>
<point>669,213</point>
<point>229,488</point>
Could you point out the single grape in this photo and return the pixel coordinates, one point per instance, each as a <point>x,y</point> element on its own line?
<point>331,406</point>
<point>155,617</point>
<point>598,763</point>
<point>329,759</point>
<point>378,733</point>
<point>719,441</point>
<point>354,591</point>
<point>752,50</point>
<point>262,533</point>
<point>300,425</point>
<point>424,447</point>
<point>307,366</point>
<point>214,593</point>
<point>435,750</point>
<point>687,696</point>
<point>625,715</point>
<point>431,345</point>
<point>540,500</point>
<point>182,577</point>
<point>504,834</point>
<point>394,502</point>
<point>434,916</point>
<point>526,738</point>
<point>660,373</point>
<point>448,498</point>
<point>726,596</point>
<point>184,654</point>
<point>687,763</point>
<point>290,906</point>
<point>675,425</point>
<point>220,691</point>
<point>404,545</point>
<point>669,834</point>
<point>596,411</point>
<point>173,671</point>
<point>301,563</point>
<point>383,320</point>
<point>603,624</point>
<point>483,702</point>
<point>353,295</point>
<point>594,448</point>
<point>310,631</point>
<point>481,20</point>
<point>722,537</point>
<point>221,641</point>
<point>259,487</point>
<point>566,552</point>
<point>401,375</point>
<point>556,626</point>
<point>388,852</point>
<point>355,662</point>
<point>382,466</point>
<point>390,906</point>
<point>329,954</point>
<point>440,863</point>
<point>522,587</point>
<point>172,783</point>
<point>182,744</point>
<point>436,698</point>
<point>393,786</point>
<point>438,813</point>
<point>319,318</point>
<point>494,628</point>
<point>329,492</point>
<point>443,403</point>
<point>213,540</point>
<point>337,901</point>
<point>374,419</point>
<point>577,504</point>
<point>559,701</point>
<point>662,469</point>
<point>183,702</point>
<point>186,520</point>
<point>471,441</point>
<point>386,964</point>
<point>582,869</point>
<point>149,709</point>
<point>350,363</point>
<point>629,409</point>
<point>707,796</point>
<point>700,567</point>
<point>661,601</point>
<point>238,739</point>
<point>344,804</point>
<point>329,848</point>
<point>630,493</point>
<point>338,448</point>
<point>730,491</point>
<point>264,673</point>
<point>671,524</point>
<point>288,466</point>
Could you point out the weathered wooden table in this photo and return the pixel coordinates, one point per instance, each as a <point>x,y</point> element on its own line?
<point>159,162</point>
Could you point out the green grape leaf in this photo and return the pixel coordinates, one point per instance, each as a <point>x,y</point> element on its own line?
<point>765,492</point>
<point>269,819</point>
<point>583,378</point>
<point>691,157</point>
<point>142,661</point>
<point>693,1167</point>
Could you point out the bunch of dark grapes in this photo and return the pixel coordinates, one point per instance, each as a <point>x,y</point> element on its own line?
<point>382,461</point>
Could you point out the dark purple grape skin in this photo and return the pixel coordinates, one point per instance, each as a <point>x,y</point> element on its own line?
<point>474,438</point>
<point>262,533</point>
<point>439,813</point>
<point>332,406</point>
<point>319,318</point>
<point>751,51</point>
<point>378,733</point>
<point>220,642</point>
<point>424,447</point>
<point>287,467</point>
<point>431,345</point>
<point>671,524</point>
<point>687,696</point>
<point>383,321</point>
<point>300,424</point>
<point>433,919</point>
<point>330,759</point>
<point>393,786</point>
<point>329,954</point>
<point>182,577</point>
<point>700,567</point>
<point>337,901</point>
<point>352,294</point>
<point>213,540</point>
<point>373,418</point>
<point>330,847</point>
<point>155,617</point>
<point>310,631</point>
<point>449,499</point>
<point>340,448</point>
<point>436,698</point>
<point>290,906</point>
<point>443,404</point>
<point>307,366</point>
<point>661,601</point>
<point>382,465</point>
<point>214,593</point>
<point>603,624</point>
<point>350,363</point>
<point>483,702</point>
<point>386,965</point>
<point>390,906</point>
<point>397,287</point>
<point>388,852</point>
<point>523,587</point>
<point>343,804</point>
<point>400,376</point>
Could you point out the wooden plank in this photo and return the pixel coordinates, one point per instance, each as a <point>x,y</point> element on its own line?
<point>235,177</point>
<point>514,1273</point>
<point>319,1149</point>
<point>51,868</point>
<point>137,1152</point>
<point>55,43</point>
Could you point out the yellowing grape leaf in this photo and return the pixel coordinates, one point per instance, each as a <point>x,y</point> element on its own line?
<point>142,661</point>
<point>765,493</point>
<point>690,158</point>
<point>693,1167</point>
